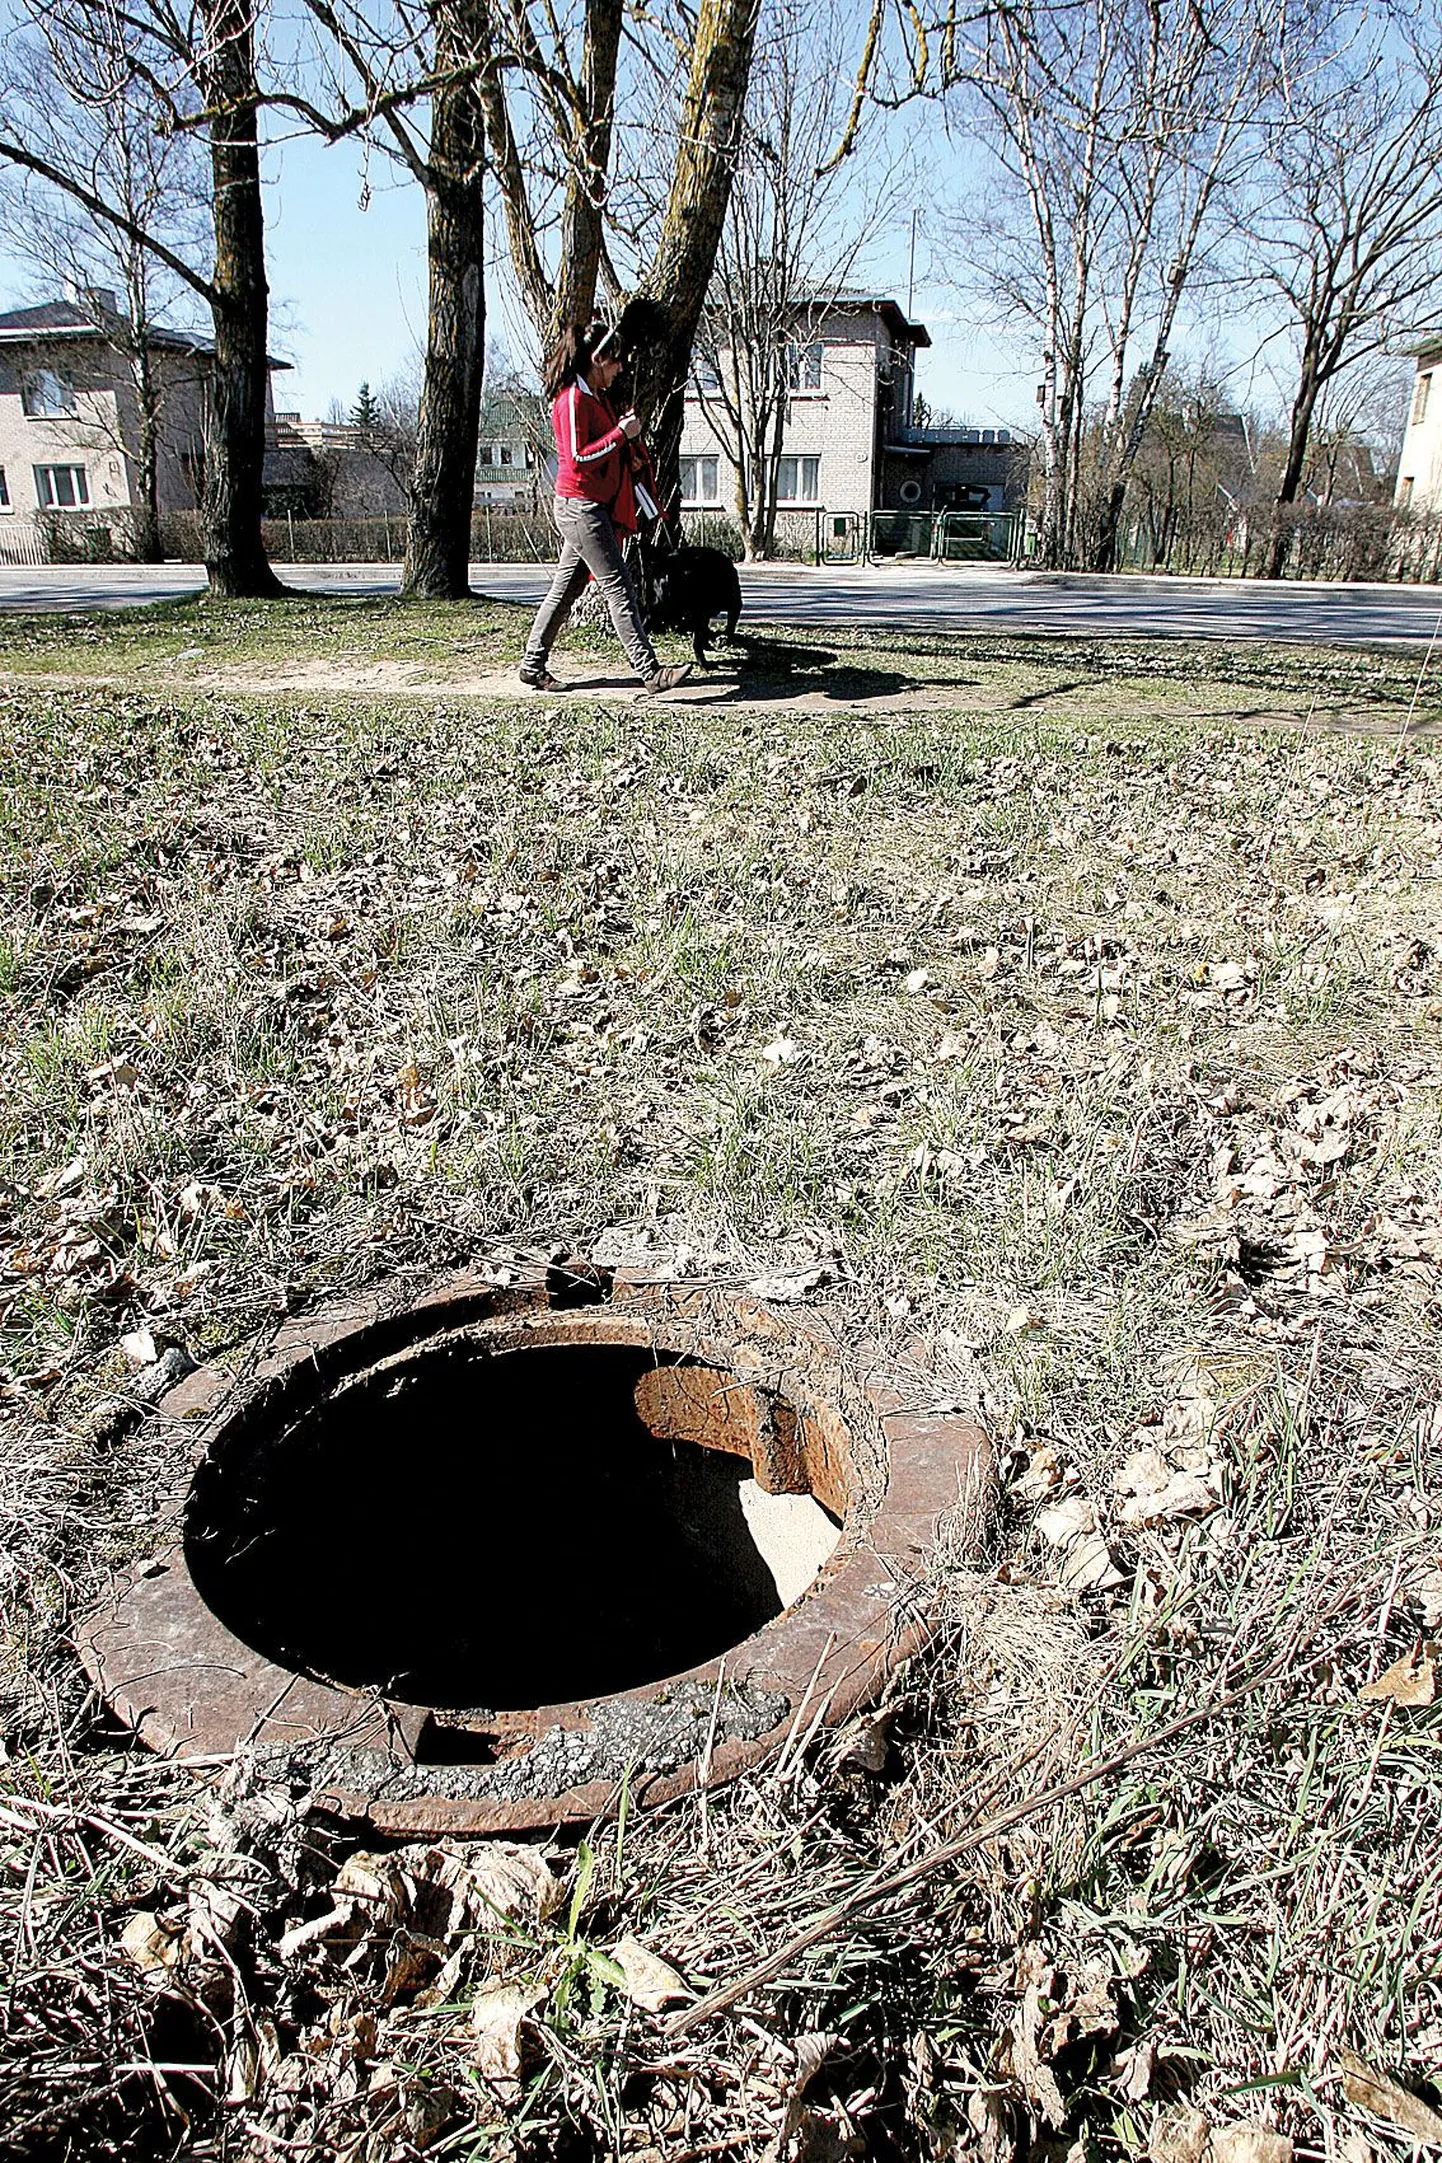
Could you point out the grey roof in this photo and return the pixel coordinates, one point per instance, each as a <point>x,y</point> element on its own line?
<point>846,296</point>
<point>68,319</point>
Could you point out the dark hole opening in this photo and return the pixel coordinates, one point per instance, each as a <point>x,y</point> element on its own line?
<point>493,1531</point>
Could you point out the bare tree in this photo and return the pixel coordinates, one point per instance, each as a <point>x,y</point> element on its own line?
<point>380,59</point>
<point>198,67</point>
<point>551,99</point>
<point>794,230</point>
<point>1347,226</point>
<point>154,179</point>
<point>1114,125</point>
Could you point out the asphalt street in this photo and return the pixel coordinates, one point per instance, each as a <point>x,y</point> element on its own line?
<point>932,597</point>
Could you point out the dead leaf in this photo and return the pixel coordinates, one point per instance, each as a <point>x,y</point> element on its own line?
<point>651,1982</point>
<point>826,2136</point>
<point>1411,1680</point>
<point>990,2118</point>
<point>1425,1595</point>
<point>156,1944</point>
<point>1042,1476</point>
<point>1022,2049</point>
<point>1135,2070</point>
<point>1066,1521</point>
<point>1154,1490</point>
<point>782,1052</point>
<point>812,2052</point>
<point>1382,2097</point>
<point>866,1743</point>
<point>500,2016</point>
<point>1244,2143</point>
<point>800,1284</point>
<point>1180,2135</point>
<point>489,1881</point>
<point>1090,1566</point>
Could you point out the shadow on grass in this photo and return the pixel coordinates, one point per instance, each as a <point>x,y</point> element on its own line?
<point>775,669</point>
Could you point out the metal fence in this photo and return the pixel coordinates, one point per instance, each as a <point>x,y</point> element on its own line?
<point>918,536</point>
<point>1332,542</point>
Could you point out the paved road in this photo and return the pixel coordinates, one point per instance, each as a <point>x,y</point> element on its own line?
<point>959,597</point>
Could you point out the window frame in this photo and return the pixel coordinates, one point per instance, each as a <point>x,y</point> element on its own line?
<point>799,460</point>
<point>802,357</point>
<point>7,508</point>
<point>80,483</point>
<point>32,377</point>
<point>697,460</point>
<point>1421,398</point>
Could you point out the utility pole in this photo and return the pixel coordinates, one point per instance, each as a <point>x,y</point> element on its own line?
<point>911,269</point>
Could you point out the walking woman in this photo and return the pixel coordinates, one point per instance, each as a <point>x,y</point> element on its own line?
<point>596,505</point>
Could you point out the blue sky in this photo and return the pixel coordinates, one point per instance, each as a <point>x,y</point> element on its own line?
<point>348,290</point>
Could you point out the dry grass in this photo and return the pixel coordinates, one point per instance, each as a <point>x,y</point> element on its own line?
<point>1098,1050</point>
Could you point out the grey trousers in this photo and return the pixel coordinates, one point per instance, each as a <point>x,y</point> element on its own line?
<point>590,547</point>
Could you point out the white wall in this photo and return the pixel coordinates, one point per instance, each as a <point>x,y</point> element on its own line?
<point>1419,475</point>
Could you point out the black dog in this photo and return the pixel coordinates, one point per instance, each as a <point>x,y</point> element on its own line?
<point>689,586</point>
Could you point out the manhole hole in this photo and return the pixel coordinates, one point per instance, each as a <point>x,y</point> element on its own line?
<point>479,1562</point>
<point>464,1527</point>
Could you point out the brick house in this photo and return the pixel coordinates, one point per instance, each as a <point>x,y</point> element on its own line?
<point>851,443</point>
<point>1419,476</point>
<point>70,423</point>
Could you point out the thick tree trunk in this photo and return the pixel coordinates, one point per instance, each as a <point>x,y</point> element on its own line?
<point>235,403</point>
<point>582,213</point>
<point>1109,521</point>
<point>680,276</point>
<point>438,550</point>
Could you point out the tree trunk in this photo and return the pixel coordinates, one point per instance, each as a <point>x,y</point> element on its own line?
<point>438,549</point>
<point>148,547</point>
<point>234,422</point>
<point>581,216</point>
<point>710,137</point>
<point>1303,409</point>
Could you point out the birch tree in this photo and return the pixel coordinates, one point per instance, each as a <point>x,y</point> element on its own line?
<point>1116,125</point>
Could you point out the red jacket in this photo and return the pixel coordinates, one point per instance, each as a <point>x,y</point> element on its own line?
<point>595,459</point>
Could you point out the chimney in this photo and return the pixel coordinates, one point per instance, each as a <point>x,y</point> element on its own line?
<point>99,299</point>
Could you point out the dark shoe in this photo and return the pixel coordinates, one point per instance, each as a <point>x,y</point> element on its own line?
<point>539,679</point>
<point>665,679</point>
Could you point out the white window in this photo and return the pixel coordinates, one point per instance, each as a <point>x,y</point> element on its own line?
<point>5,503</point>
<point>503,455</point>
<point>46,396</point>
<point>700,480</point>
<point>61,488</point>
<point>798,480</point>
<point>803,367</point>
<point>708,379</point>
<point>1420,397</point>
<point>1404,493</point>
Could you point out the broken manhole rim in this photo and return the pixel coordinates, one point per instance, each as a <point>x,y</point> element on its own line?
<point>191,1688</point>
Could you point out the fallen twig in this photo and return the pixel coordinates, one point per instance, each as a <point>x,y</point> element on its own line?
<point>899,1879</point>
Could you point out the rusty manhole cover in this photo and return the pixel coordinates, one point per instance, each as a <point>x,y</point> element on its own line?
<point>484,1561</point>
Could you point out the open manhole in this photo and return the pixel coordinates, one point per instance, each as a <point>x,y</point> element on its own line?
<point>480,1562</point>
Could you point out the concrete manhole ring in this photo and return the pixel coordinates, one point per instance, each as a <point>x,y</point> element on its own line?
<point>484,1560</point>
